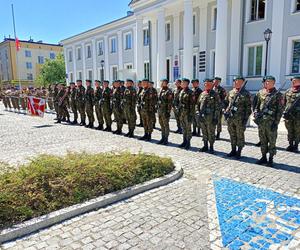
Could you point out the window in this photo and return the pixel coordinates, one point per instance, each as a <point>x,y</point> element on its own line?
<point>52,55</point>
<point>113,45</point>
<point>297,6</point>
<point>29,76</point>
<point>40,60</point>
<point>27,53</point>
<point>100,48</point>
<point>257,10</point>
<point>168,31</point>
<point>194,24</point>
<point>194,66</point>
<point>296,57</point>
<point>114,73</point>
<point>70,56</point>
<point>88,51</point>
<point>146,37</point>
<point>71,77</point>
<point>168,73</point>
<point>255,60</point>
<point>128,41</point>
<point>147,70</point>
<point>212,63</point>
<point>214,19</point>
<point>78,54</point>
<point>79,75</point>
<point>129,66</point>
<point>28,65</point>
<point>90,75</point>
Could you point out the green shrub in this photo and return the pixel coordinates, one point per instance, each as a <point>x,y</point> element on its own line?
<point>48,183</point>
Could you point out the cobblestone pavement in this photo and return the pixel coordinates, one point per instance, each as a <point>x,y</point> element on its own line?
<point>218,202</point>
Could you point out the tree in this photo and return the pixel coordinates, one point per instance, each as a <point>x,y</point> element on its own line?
<point>52,71</point>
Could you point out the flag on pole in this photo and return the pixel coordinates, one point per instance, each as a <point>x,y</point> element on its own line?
<point>36,106</point>
<point>18,45</point>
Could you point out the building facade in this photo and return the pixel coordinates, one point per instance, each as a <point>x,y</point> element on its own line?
<point>193,39</point>
<point>25,64</point>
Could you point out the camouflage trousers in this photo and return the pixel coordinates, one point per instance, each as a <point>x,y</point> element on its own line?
<point>147,118</point>
<point>15,102</point>
<point>74,110</point>
<point>293,128</point>
<point>164,119</point>
<point>56,108</point>
<point>267,137</point>
<point>5,102</point>
<point>63,112</point>
<point>130,116</point>
<point>118,114</point>
<point>23,102</point>
<point>236,130</point>
<point>208,130</point>
<point>106,111</point>
<point>50,103</point>
<point>99,114</point>
<point>186,125</point>
<point>177,117</point>
<point>219,124</point>
<point>89,109</point>
<point>81,110</point>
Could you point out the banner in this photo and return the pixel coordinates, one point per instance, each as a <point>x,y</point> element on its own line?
<point>36,106</point>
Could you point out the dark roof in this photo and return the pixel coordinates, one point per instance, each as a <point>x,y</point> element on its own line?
<point>30,41</point>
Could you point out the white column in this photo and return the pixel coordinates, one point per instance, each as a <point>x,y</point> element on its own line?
<point>120,49</point>
<point>154,50</point>
<point>188,39</point>
<point>83,62</point>
<point>94,51</point>
<point>276,51</point>
<point>74,63</point>
<point>161,45</point>
<point>236,37</point>
<point>66,63</point>
<point>203,37</point>
<point>139,55</point>
<point>221,40</point>
<point>176,33</point>
<point>106,64</point>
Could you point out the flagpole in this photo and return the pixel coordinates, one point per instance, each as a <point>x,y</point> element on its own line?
<point>17,59</point>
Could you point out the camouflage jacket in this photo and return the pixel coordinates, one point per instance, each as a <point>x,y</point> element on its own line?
<point>98,96</point>
<point>165,100</point>
<point>129,98</point>
<point>221,92</point>
<point>148,99</point>
<point>176,94</point>
<point>73,95</point>
<point>117,97</point>
<point>186,101</point>
<point>290,98</point>
<point>89,96</point>
<point>80,95</point>
<point>208,104</point>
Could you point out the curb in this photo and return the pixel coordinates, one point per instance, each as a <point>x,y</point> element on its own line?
<point>58,216</point>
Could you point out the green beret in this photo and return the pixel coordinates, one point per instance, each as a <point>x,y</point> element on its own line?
<point>129,80</point>
<point>185,80</point>
<point>72,83</point>
<point>207,80</point>
<point>195,80</point>
<point>296,77</point>
<point>272,78</point>
<point>164,80</point>
<point>238,78</point>
<point>145,80</point>
<point>218,78</point>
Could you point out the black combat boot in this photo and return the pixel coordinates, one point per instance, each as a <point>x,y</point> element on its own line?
<point>211,149</point>
<point>218,136</point>
<point>74,122</point>
<point>205,147</point>
<point>239,153</point>
<point>166,141</point>
<point>161,140</point>
<point>187,145</point>
<point>262,160</point>
<point>82,123</point>
<point>91,125</point>
<point>58,121</point>
<point>131,133</point>
<point>126,135</point>
<point>64,119</point>
<point>100,127</point>
<point>290,148</point>
<point>296,147</point>
<point>270,162</point>
<point>258,144</point>
<point>144,137</point>
<point>87,125</point>
<point>233,152</point>
<point>182,145</point>
<point>198,132</point>
<point>194,132</point>
<point>149,137</point>
<point>68,120</point>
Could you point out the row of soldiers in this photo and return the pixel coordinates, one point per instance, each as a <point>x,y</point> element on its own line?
<point>195,109</point>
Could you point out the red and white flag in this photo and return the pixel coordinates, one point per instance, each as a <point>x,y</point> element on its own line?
<point>18,44</point>
<point>36,106</point>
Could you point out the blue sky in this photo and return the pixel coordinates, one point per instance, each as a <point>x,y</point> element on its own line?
<point>54,20</point>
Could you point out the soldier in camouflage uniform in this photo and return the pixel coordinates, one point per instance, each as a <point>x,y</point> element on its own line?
<point>222,94</point>
<point>155,94</point>
<point>139,91</point>
<point>15,99</point>
<point>55,100</point>
<point>106,105</point>
<point>89,103</point>
<point>165,100</point>
<point>148,106</point>
<point>80,101</point>
<point>128,104</point>
<point>176,94</point>
<point>50,96</point>
<point>186,105</point>
<point>208,108</point>
<point>196,92</point>
<point>62,99</point>
<point>73,102</point>
<point>117,97</point>
<point>98,101</point>
<point>239,115</point>
<point>292,114</point>
<point>267,117</point>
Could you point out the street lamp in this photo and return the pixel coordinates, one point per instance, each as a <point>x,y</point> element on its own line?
<point>102,72</point>
<point>267,35</point>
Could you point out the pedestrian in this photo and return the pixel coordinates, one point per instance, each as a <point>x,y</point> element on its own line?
<point>129,105</point>
<point>117,97</point>
<point>73,102</point>
<point>196,92</point>
<point>106,105</point>
<point>80,101</point>
<point>176,110</point>
<point>89,103</point>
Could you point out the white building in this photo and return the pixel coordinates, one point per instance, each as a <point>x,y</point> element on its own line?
<point>193,39</point>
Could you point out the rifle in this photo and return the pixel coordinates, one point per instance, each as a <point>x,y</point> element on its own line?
<point>258,116</point>
<point>287,113</point>
<point>231,109</point>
